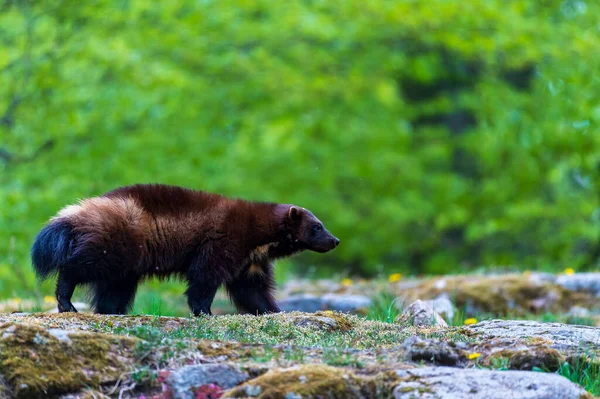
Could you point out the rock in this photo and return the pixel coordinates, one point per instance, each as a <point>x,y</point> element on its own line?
<point>317,380</point>
<point>435,351</point>
<point>515,294</point>
<point>323,320</point>
<point>185,380</point>
<point>302,303</point>
<point>339,302</point>
<point>443,306</point>
<point>578,312</point>
<point>559,336</point>
<point>318,322</point>
<point>454,383</point>
<point>420,314</point>
<point>314,381</point>
<point>589,282</point>
<point>540,278</point>
<point>440,284</point>
<point>37,360</point>
<point>253,390</point>
<point>346,303</point>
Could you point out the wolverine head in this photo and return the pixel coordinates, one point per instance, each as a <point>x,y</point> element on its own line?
<point>309,231</point>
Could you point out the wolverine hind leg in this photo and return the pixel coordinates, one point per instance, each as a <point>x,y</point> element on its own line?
<point>65,285</point>
<point>113,297</point>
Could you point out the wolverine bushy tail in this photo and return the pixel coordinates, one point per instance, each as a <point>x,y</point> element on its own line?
<point>51,248</point>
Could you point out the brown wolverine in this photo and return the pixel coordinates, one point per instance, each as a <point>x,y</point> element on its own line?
<point>114,241</point>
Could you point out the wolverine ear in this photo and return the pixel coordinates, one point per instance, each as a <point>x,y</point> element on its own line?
<point>294,213</point>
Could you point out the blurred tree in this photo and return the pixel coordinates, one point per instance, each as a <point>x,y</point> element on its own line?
<point>429,136</point>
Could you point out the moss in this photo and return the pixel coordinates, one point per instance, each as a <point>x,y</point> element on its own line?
<point>512,294</point>
<point>311,381</point>
<point>97,322</point>
<point>324,320</point>
<point>538,341</point>
<point>227,350</point>
<point>37,362</point>
<point>526,359</point>
<point>344,323</point>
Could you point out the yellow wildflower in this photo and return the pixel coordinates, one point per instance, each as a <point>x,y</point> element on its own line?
<point>569,271</point>
<point>527,273</point>
<point>346,282</point>
<point>394,277</point>
<point>49,299</point>
<point>473,356</point>
<point>470,321</point>
<point>17,300</point>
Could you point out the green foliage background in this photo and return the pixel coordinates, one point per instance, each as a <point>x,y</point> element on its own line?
<point>430,136</point>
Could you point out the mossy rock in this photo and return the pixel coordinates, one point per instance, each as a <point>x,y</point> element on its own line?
<point>512,294</point>
<point>529,358</point>
<point>38,362</point>
<point>315,381</point>
<point>324,320</point>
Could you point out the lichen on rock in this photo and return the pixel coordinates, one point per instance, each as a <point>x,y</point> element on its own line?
<point>511,294</point>
<point>454,383</point>
<point>36,363</point>
<point>420,314</point>
<point>314,381</point>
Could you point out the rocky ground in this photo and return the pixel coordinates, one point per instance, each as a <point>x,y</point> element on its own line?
<point>515,295</point>
<point>289,355</point>
<point>321,353</point>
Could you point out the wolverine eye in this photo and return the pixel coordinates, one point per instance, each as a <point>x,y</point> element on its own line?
<point>317,227</point>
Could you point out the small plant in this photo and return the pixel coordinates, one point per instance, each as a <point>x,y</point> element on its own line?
<point>272,328</point>
<point>583,372</point>
<point>150,334</point>
<point>143,375</point>
<point>500,363</point>
<point>294,355</point>
<point>336,357</point>
<point>384,308</point>
<point>263,356</point>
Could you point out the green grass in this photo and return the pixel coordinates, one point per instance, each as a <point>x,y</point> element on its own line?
<point>274,331</point>
<point>385,308</point>
<point>584,373</point>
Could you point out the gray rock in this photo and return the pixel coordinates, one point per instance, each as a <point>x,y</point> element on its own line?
<point>541,278</point>
<point>317,322</point>
<point>589,282</point>
<point>443,306</point>
<point>561,336</point>
<point>420,314</point>
<point>578,312</point>
<point>435,351</point>
<point>340,302</point>
<point>455,383</point>
<point>302,303</point>
<point>253,390</point>
<point>182,381</point>
<point>60,334</point>
<point>346,303</point>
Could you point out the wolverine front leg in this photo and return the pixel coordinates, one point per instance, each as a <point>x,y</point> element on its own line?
<point>252,292</point>
<point>200,295</point>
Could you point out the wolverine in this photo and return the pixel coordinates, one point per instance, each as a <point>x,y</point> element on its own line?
<point>112,242</point>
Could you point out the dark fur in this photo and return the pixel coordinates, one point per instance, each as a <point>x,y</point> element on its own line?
<point>114,241</point>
